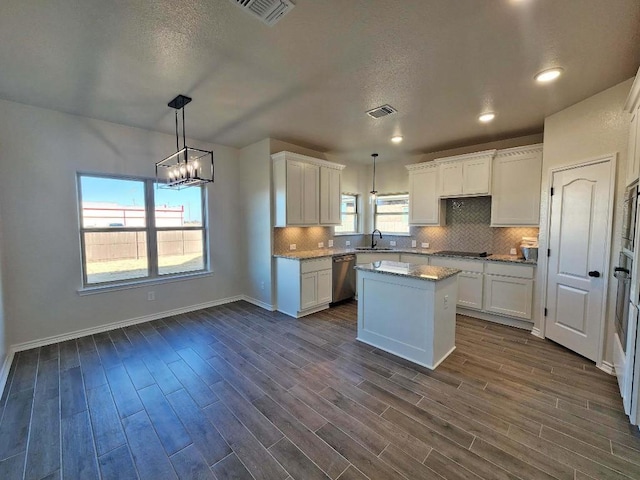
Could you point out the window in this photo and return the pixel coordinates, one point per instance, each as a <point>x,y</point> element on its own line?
<point>349,214</point>
<point>130,230</point>
<point>391,213</point>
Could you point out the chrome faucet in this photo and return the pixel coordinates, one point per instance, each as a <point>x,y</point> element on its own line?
<point>373,244</point>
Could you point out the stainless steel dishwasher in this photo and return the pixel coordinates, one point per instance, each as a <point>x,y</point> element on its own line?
<point>344,277</point>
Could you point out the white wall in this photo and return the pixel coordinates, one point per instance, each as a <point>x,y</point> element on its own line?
<point>255,234</point>
<point>594,127</point>
<point>3,337</point>
<point>40,153</point>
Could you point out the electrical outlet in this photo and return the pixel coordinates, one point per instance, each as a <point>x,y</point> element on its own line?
<point>392,243</point>
<point>425,244</point>
<point>414,244</point>
<point>151,296</point>
<point>330,243</point>
<point>513,251</point>
<point>348,242</point>
<point>446,302</point>
<point>292,246</point>
<point>261,285</point>
<point>320,244</point>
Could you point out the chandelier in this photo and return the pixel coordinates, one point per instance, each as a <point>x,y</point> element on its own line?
<point>187,167</point>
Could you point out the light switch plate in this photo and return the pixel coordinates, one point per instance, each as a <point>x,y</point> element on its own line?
<point>348,242</point>
<point>320,244</point>
<point>425,245</point>
<point>292,246</point>
<point>392,243</point>
<point>330,243</point>
<point>414,244</point>
<point>513,251</point>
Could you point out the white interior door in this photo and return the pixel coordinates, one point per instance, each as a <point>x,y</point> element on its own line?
<point>578,240</point>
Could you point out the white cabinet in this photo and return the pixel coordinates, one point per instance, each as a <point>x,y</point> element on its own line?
<point>508,290</point>
<point>301,198</point>
<point>632,106</point>
<point>516,177</point>
<point>470,282</point>
<point>466,175</point>
<point>330,196</point>
<point>425,206</point>
<point>303,286</point>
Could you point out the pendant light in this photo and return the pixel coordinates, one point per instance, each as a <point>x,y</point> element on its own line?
<point>189,166</point>
<point>373,191</point>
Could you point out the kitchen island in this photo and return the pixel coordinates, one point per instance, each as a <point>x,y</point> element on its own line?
<point>408,310</point>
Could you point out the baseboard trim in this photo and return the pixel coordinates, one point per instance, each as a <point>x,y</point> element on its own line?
<point>535,331</point>
<point>508,321</point>
<point>607,367</point>
<point>6,366</point>
<point>120,324</point>
<point>259,303</point>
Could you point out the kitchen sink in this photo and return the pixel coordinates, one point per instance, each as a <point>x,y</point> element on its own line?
<point>373,248</point>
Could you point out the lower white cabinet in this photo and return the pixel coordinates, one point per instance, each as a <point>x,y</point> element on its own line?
<point>470,290</point>
<point>303,286</point>
<point>508,289</point>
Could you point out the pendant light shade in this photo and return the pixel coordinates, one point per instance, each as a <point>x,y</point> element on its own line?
<point>188,166</point>
<point>374,192</point>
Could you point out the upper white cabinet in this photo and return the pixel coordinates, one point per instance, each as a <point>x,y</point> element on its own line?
<point>466,175</point>
<point>517,173</point>
<point>306,190</point>
<point>330,196</point>
<point>425,207</point>
<point>633,154</point>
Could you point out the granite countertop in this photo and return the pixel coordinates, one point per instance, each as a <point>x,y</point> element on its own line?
<point>331,252</point>
<point>421,272</point>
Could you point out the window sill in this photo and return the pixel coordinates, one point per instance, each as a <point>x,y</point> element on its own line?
<point>141,283</point>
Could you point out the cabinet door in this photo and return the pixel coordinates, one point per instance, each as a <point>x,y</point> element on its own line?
<point>330,196</point>
<point>295,188</point>
<point>633,152</point>
<point>515,197</point>
<point>470,290</point>
<point>424,201</point>
<point>311,195</point>
<point>476,176</point>
<point>325,286</point>
<point>508,296</point>
<point>450,179</point>
<point>308,290</point>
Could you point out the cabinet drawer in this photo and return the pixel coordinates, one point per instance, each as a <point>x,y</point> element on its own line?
<point>460,264</point>
<point>315,265</point>
<point>520,271</point>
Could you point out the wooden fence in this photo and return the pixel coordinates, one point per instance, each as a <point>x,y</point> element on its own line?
<point>105,246</point>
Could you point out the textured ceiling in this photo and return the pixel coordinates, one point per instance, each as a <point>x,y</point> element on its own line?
<point>310,79</point>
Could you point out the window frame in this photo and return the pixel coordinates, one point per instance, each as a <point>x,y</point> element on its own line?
<point>376,213</point>
<point>357,215</point>
<point>151,231</point>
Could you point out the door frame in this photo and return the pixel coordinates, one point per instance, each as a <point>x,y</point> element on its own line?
<point>544,266</point>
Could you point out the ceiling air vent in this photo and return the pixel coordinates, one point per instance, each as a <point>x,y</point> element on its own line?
<point>382,111</point>
<point>269,11</point>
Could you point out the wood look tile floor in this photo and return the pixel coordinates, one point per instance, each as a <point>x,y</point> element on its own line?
<point>236,392</point>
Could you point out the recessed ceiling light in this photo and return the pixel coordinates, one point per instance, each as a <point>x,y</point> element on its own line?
<point>487,117</point>
<point>397,138</point>
<point>549,75</point>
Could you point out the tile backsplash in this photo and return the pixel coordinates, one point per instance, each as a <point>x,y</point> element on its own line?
<point>467,229</point>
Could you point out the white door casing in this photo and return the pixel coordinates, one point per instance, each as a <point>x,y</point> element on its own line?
<point>580,221</point>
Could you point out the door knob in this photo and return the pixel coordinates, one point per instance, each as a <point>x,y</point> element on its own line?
<point>594,273</point>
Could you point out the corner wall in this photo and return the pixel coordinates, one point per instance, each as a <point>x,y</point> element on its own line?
<point>41,151</point>
<point>594,127</point>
